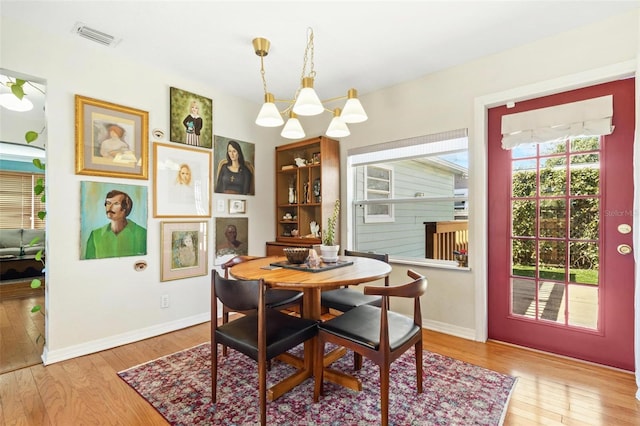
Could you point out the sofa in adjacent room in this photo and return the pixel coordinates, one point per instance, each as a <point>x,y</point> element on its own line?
<point>15,242</point>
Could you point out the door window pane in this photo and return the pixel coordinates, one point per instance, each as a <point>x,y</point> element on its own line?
<point>552,260</point>
<point>553,176</point>
<point>583,306</point>
<point>552,218</point>
<point>585,218</point>
<point>584,260</point>
<point>523,213</point>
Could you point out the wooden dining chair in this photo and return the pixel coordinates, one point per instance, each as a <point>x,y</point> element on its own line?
<point>276,299</point>
<point>262,334</point>
<point>345,299</point>
<point>378,334</point>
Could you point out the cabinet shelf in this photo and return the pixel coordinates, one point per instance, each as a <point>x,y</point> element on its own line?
<point>323,175</point>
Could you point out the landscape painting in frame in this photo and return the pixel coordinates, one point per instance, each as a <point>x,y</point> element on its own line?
<point>191,118</point>
<point>234,166</point>
<point>184,250</point>
<point>111,140</point>
<point>181,181</point>
<point>113,220</point>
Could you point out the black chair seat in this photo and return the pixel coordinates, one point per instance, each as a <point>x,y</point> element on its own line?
<point>283,332</point>
<point>345,299</point>
<point>362,325</point>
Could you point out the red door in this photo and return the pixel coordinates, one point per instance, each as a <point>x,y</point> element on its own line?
<point>560,214</point>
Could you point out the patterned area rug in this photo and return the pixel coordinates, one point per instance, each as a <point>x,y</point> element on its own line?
<point>455,392</point>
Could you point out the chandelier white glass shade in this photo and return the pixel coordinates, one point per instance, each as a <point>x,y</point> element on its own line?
<point>269,115</point>
<point>306,101</point>
<point>13,103</point>
<point>293,129</point>
<point>337,128</point>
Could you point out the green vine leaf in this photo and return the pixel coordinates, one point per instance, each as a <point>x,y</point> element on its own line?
<point>30,136</point>
<point>36,309</point>
<point>17,90</point>
<point>42,215</point>
<point>36,283</point>
<point>39,164</point>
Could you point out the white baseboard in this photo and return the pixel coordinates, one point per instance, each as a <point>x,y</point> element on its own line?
<point>441,327</point>
<point>51,357</point>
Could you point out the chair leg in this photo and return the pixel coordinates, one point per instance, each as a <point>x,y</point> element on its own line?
<point>262,380</point>
<point>225,319</point>
<point>214,370</point>
<point>357,361</point>
<point>418,349</point>
<point>384,394</point>
<point>318,377</point>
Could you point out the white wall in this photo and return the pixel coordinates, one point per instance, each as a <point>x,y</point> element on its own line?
<point>93,305</point>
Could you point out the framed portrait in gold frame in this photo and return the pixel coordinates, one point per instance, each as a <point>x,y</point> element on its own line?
<point>111,140</point>
<point>184,250</point>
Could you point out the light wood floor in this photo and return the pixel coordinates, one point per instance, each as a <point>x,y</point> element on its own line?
<point>87,390</point>
<point>21,331</point>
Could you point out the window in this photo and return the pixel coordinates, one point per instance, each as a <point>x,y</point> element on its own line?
<point>379,186</point>
<point>19,206</point>
<point>410,197</point>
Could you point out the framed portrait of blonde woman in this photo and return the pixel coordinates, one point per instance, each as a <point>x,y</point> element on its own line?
<point>184,250</point>
<point>111,140</point>
<point>191,118</point>
<point>181,181</point>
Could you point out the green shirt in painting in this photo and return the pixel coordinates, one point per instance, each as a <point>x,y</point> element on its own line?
<point>131,241</point>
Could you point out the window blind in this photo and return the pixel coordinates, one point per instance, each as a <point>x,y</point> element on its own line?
<point>591,117</point>
<point>19,206</point>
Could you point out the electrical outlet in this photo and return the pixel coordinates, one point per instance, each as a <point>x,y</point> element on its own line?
<point>164,301</point>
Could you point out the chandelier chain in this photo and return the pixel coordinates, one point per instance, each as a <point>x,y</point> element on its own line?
<point>262,73</point>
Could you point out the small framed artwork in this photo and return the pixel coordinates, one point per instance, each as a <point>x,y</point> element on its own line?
<point>315,158</point>
<point>231,236</point>
<point>237,206</point>
<point>181,183</point>
<point>191,121</point>
<point>184,250</point>
<point>111,140</point>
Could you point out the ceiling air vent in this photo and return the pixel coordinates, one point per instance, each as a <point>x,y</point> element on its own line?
<point>94,35</point>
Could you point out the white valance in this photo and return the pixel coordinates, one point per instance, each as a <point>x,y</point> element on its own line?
<point>584,118</point>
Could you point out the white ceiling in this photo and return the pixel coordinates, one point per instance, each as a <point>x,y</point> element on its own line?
<point>368,45</point>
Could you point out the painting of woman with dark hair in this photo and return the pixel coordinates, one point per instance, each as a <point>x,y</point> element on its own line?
<point>235,175</point>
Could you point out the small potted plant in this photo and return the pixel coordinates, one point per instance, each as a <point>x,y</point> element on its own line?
<point>329,249</point>
<point>462,258</point>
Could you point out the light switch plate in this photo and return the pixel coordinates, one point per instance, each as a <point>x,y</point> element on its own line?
<point>220,206</point>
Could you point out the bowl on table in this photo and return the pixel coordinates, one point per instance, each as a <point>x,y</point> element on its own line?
<point>296,255</point>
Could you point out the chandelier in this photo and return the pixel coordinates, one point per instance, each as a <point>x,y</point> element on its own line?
<point>305,102</point>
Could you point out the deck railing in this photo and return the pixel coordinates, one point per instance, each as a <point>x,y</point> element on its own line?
<point>443,238</point>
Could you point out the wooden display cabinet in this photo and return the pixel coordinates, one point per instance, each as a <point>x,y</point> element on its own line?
<point>297,204</point>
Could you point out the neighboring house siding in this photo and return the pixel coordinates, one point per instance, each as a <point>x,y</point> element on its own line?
<point>405,235</point>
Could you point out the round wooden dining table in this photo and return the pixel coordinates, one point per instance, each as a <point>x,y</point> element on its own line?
<point>359,270</point>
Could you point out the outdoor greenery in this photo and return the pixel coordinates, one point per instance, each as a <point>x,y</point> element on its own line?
<point>583,209</point>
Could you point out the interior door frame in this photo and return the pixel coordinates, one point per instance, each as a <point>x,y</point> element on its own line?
<point>478,152</point>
